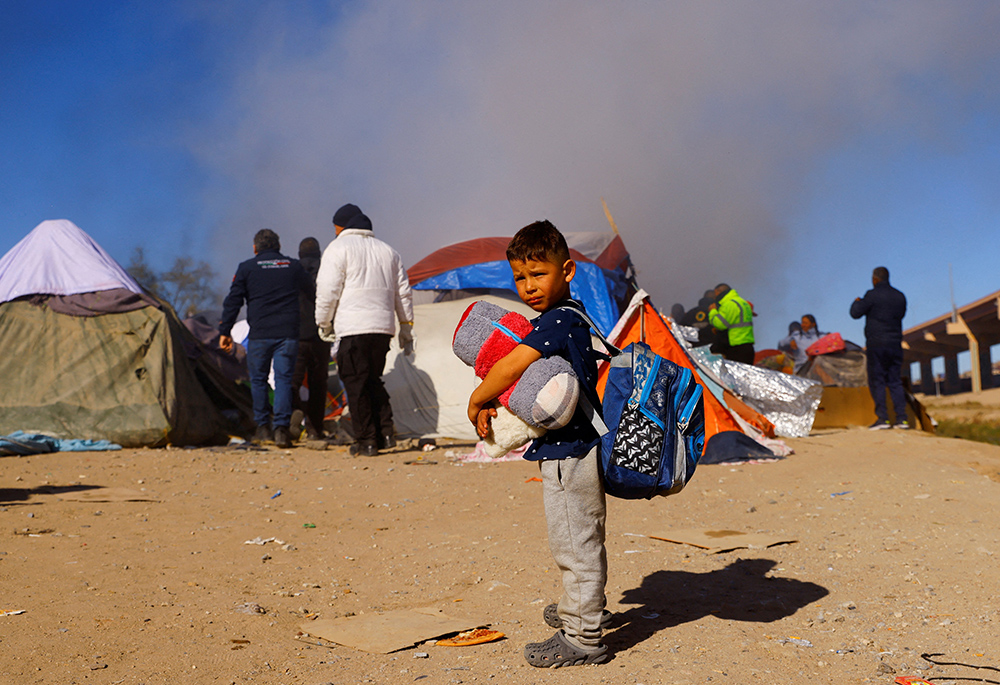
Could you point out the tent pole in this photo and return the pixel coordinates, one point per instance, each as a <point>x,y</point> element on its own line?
<point>611,220</point>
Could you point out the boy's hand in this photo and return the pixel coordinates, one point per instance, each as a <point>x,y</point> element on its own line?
<point>473,412</point>
<point>483,421</point>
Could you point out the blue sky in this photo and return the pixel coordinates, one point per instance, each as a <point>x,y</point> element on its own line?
<point>786,148</point>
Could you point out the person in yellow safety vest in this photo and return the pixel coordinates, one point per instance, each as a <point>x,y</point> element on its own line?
<point>732,317</point>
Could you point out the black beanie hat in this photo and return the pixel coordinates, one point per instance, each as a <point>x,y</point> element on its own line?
<point>344,215</point>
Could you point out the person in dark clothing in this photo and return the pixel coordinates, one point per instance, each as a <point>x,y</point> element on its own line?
<point>884,308</point>
<point>269,284</point>
<point>313,360</point>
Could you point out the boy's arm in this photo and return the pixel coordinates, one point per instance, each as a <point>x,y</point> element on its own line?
<point>504,374</point>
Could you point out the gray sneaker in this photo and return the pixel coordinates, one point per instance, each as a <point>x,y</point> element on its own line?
<point>879,425</point>
<point>902,425</point>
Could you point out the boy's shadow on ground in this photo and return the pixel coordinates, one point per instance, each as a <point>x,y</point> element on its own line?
<point>740,592</point>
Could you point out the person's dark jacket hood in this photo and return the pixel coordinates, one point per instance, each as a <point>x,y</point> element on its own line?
<point>360,220</point>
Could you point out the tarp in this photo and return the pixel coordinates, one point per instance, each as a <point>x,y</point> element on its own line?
<point>23,444</point>
<point>123,376</point>
<point>601,281</point>
<point>430,389</point>
<point>788,402</point>
<point>641,321</point>
<point>57,258</point>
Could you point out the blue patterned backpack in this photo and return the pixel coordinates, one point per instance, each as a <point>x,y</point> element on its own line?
<point>653,433</point>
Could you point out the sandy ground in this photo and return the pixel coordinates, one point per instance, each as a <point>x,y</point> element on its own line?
<point>896,556</point>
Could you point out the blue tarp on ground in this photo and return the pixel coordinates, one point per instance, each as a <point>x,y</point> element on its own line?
<point>22,444</point>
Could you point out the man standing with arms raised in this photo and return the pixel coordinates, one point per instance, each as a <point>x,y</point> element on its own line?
<point>883,308</point>
<point>361,290</point>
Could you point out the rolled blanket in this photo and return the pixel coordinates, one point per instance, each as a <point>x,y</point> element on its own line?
<point>548,390</point>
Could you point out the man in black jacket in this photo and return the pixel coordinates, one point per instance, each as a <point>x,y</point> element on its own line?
<point>269,284</point>
<point>884,308</point>
<point>313,360</point>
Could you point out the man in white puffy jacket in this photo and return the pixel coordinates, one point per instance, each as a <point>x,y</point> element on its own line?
<point>361,290</point>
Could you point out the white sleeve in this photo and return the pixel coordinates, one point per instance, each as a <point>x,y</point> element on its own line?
<point>404,296</point>
<point>329,283</point>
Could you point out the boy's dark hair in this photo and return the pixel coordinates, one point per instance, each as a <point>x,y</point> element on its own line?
<point>881,273</point>
<point>266,240</point>
<point>540,241</point>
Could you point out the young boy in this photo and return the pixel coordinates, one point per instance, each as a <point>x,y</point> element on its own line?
<point>575,508</point>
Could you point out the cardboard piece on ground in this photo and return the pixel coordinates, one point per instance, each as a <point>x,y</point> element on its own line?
<point>716,541</point>
<point>391,631</point>
<point>105,495</point>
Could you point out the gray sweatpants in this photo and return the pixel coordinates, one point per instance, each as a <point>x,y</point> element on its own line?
<point>575,512</point>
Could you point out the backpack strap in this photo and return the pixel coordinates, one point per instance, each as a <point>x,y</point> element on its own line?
<point>590,322</point>
<point>595,419</point>
<point>588,409</point>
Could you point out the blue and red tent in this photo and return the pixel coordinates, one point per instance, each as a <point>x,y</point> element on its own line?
<point>604,279</point>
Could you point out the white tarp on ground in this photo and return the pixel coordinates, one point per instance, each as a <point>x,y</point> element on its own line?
<point>58,258</point>
<point>430,389</point>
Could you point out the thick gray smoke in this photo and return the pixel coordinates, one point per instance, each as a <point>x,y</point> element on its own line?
<point>698,122</point>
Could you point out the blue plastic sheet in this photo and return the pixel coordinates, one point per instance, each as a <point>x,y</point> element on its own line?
<point>598,289</point>
<point>22,444</point>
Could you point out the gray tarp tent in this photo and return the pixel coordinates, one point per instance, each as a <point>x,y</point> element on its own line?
<point>87,354</point>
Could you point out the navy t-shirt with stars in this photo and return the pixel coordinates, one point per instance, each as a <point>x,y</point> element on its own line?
<point>562,333</point>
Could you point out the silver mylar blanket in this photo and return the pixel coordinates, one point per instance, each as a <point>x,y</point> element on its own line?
<point>789,402</point>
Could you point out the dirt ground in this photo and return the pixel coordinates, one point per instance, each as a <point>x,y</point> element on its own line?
<point>895,558</point>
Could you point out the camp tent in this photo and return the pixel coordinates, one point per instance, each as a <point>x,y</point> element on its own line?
<point>430,389</point>
<point>603,281</point>
<point>724,411</point>
<point>88,354</point>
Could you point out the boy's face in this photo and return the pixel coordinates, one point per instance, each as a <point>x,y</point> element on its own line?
<point>542,284</point>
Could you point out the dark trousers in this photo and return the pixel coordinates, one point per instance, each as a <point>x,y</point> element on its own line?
<point>312,364</point>
<point>360,363</point>
<point>884,364</point>
<point>740,353</point>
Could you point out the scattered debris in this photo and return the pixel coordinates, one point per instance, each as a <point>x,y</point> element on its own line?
<point>716,541</point>
<point>471,637</point>
<point>390,631</point>
<point>250,608</point>
<point>795,641</point>
<point>11,612</point>
<point>420,461</point>
<point>263,541</point>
